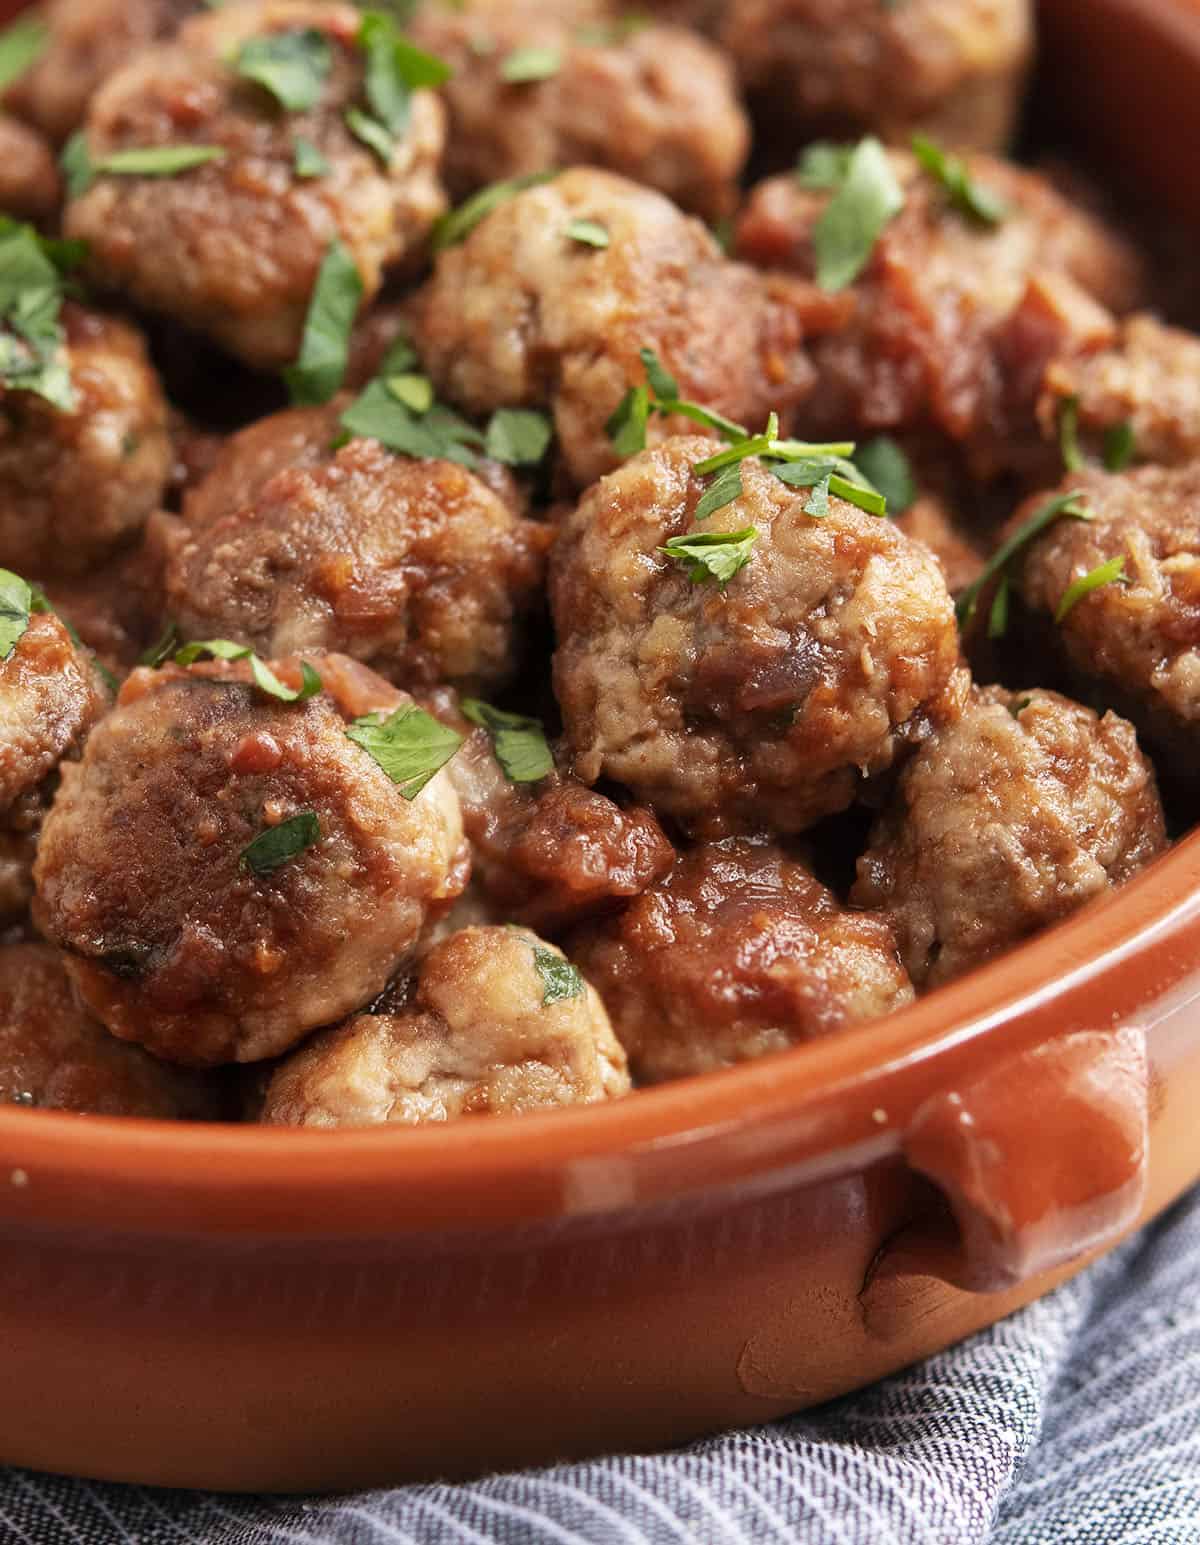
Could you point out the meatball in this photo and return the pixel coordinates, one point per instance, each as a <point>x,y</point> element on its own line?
<point>1004,822</point>
<point>413,566</point>
<point>552,853</point>
<point>30,187</point>
<point>950,325</point>
<point>657,104</point>
<point>498,1023</point>
<point>1145,384</point>
<point>930,521</point>
<point>954,68</point>
<point>761,704</point>
<point>117,609</point>
<point>88,40</point>
<point>297,437</point>
<point>233,247</point>
<point>1135,642</point>
<point>54,1056</point>
<point>50,697</point>
<point>184,934</point>
<point>76,485</point>
<point>522,315</point>
<point>739,952</point>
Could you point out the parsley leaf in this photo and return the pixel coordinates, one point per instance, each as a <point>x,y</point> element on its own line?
<point>532,63</point>
<point>156,160</point>
<point>711,555</point>
<point>456,226</point>
<point>165,645</point>
<point>1068,435</point>
<point>265,679</point>
<point>414,391</point>
<point>662,383</point>
<point>560,979</point>
<point>372,133</point>
<point>293,66</point>
<point>589,233</point>
<point>16,604</point>
<point>307,160</point>
<point>75,163</point>
<point>824,165</point>
<point>411,746</point>
<point>377,413</point>
<point>1109,573</point>
<point>32,344</point>
<point>518,741</point>
<point>1063,507</point>
<point>395,68</point>
<point>626,428</point>
<point>723,490</point>
<point>866,200</point>
<point>277,845</point>
<point>21,45</point>
<point>971,198</point>
<point>319,372</point>
<point>885,466</point>
<point>1120,447</point>
<point>519,437</point>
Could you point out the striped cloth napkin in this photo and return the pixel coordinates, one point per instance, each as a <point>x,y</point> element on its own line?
<point>1076,1422</point>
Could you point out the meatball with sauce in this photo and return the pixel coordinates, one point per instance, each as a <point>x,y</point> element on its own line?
<point>77,483</point>
<point>1134,641</point>
<point>765,702</point>
<point>233,247</point>
<point>955,68</point>
<point>86,42</point>
<point>186,924</point>
<point>497,1023</point>
<point>657,104</point>
<point>549,853</point>
<point>415,567</point>
<point>739,952</point>
<point>1006,821</point>
<point>50,698</point>
<point>54,1056</point>
<point>522,314</point>
<point>950,325</point>
<point>30,185</point>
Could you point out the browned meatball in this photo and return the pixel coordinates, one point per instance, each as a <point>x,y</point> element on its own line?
<point>54,1056</point>
<point>30,187</point>
<point>737,953</point>
<point>88,40</point>
<point>1134,643</point>
<point>1004,822</point>
<point>520,314</point>
<point>233,247</point>
<point>76,485</point>
<point>1148,379</point>
<point>552,853</point>
<point>297,437</point>
<point>118,609</point>
<point>762,704</point>
<point>952,322</point>
<point>498,1024</point>
<point>413,566</point>
<point>177,936</point>
<point>657,104</point>
<point>955,68</point>
<point>50,697</point>
<point>930,521</point>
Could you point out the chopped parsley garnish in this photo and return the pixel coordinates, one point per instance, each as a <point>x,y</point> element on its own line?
<point>827,475</point>
<point>16,604</point>
<point>1120,447</point>
<point>138,161</point>
<point>885,466</point>
<point>410,746</point>
<point>518,741</point>
<point>1068,435</point>
<point>711,555</point>
<point>325,351</point>
<point>456,226</point>
<point>395,68</point>
<point>824,165</point>
<point>75,163</point>
<point>292,66</point>
<point>1110,573</point>
<point>626,427</point>
<point>377,413</point>
<point>534,63</point>
<point>1063,507</point>
<point>560,979</point>
<point>21,45</point>
<point>1019,707</point>
<point>265,678</point>
<point>971,198</point>
<point>162,648</point>
<point>519,437</point>
<point>867,198</point>
<point>414,391</point>
<point>307,160</point>
<point>588,233</point>
<point>277,845</point>
<point>32,344</point>
<point>723,490</point>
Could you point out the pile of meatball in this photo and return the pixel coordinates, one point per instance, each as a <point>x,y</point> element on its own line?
<point>403,719</point>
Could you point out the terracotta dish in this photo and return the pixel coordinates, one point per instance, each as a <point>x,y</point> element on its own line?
<point>257,1308</point>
